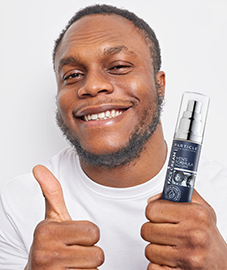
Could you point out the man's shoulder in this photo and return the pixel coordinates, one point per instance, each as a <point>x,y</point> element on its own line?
<point>211,183</point>
<point>211,172</point>
<point>26,184</point>
<point>19,191</point>
<point>211,179</point>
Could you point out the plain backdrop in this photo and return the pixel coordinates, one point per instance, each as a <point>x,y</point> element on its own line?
<point>192,36</point>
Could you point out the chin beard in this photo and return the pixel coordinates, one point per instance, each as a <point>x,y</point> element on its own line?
<point>130,151</point>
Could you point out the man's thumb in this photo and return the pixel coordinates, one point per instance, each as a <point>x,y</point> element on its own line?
<point>52,191</point>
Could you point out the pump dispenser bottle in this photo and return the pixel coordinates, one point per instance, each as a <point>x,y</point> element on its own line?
<point>186,148</point>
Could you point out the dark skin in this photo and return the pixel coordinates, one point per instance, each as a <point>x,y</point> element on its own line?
<point>103,63</point>
<point>109,77</point>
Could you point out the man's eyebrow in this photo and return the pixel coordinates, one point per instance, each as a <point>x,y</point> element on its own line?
<point>66,61</point>
<point>107,51</point>
<point>117,49</point>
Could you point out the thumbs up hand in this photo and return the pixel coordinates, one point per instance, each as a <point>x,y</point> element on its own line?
<point>59,242</point>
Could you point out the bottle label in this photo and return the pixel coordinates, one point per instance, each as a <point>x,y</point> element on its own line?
<point>181,171</point>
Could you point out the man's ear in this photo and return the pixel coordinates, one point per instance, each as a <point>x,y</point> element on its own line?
<point>161,83</point>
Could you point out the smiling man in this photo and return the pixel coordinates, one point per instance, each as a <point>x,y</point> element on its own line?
<point>109,100</point>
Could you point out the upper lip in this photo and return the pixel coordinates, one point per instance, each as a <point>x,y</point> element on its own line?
<point>95,109</point>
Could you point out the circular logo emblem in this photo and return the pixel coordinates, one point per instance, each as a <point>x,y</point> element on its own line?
<point>173,193</point>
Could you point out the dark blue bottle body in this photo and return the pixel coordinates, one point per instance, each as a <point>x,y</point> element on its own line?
<point>181,171</point>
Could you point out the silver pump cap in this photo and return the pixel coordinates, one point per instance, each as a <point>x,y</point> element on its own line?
<point>190,125</point>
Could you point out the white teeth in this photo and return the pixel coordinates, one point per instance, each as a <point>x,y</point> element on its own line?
<point>94,116</point>
<point>113,113</point>
<point>102,115</point>
<point>107,114</point>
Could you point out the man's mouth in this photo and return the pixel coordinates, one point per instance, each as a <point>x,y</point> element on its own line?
<point>102,115</point>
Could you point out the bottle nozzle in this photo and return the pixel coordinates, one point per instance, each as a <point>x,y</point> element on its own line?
<point>191,124</point>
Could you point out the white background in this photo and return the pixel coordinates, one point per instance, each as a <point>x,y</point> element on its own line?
<point>192,35</point>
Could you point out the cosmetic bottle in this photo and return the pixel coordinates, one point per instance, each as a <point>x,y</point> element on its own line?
<point>186,148</point>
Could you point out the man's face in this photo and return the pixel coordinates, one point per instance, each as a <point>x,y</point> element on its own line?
<point>106,84</point>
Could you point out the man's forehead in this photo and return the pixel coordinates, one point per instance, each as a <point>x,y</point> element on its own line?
<point>101,20</point>
<point>116,31</point>
<point>95,27</point>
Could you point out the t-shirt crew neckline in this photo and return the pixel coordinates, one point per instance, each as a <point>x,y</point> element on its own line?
<point>152,186</point>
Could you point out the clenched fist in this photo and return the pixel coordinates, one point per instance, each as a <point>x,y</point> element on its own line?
<point>183,236</point>
<point>59,242</point>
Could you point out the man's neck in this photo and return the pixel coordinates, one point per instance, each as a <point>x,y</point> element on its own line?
<point>138,171</point>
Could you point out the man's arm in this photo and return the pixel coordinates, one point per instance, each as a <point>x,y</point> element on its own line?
<point>183,236</point>
<point>59,242</point>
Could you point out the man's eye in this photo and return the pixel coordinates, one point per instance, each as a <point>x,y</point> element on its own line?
<point>119,66</point>
<point>72,77</point>
<point>120,69</point>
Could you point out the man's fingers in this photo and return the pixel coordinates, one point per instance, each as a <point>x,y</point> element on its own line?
<point>160,233</point>
<point>196,198</point>
<point>69,233</point>
<point>162,255</point>
<point>154,198</point>
<point>52,191</point>
<point>162,211</point>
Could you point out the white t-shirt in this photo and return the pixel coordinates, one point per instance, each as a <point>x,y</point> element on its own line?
<point>118,212</point>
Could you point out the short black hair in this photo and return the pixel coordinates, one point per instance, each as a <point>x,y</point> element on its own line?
<point>139,23</point>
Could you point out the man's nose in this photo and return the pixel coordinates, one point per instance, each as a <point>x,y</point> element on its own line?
<point>94,84</point>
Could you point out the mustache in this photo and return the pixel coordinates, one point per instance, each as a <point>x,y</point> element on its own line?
<point>115,102</point>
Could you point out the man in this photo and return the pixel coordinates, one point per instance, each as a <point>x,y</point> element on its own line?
<point>110,93</point>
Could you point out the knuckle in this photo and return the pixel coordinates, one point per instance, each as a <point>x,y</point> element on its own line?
<point>46,258</point>
<point>41,258</point>
<point>198,238</point>
<point>42,231</point>
<point>195,262</point>
<point>45,230</point>
<point>203,215</point>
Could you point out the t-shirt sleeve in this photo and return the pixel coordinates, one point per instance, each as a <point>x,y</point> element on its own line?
<point>13,254</point>
<point>21,209</point>
<point>212,185</point>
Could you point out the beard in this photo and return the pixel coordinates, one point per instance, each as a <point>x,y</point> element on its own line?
<point>132,150</point>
